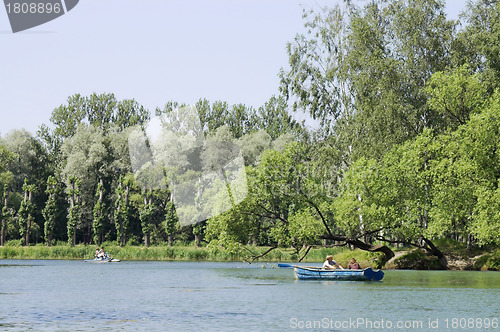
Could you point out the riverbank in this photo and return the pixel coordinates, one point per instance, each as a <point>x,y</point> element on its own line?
<point>186,253</point>
<point>409,259</point>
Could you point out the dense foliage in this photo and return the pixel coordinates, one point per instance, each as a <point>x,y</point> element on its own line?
<point>407,151</point>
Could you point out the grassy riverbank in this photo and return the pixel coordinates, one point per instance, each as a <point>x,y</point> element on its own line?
<point>458,259</point>
<point>183,253</point>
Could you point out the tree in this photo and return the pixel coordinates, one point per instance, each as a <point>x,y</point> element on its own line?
<point>74,208</point>
<point>391,200</point>
<point>102,111</point>
<point>252,145</point>
<point>26,211</point>
<point>289,201</point>
<point>431,187</point>
<point>99,214</point>
<point>6,214</point>
<point>29,162</point>
<point>86,155</point>
<point>122,208</point>
<point>477,44</point>
<point>50,211</point>
<point>146,214</point>
<point>171,220</point>
<point>198,233</point>
<point>467,177</point>
<point>456,94</point>
<point>361,71</point>
<point>6,180</point>
<point>274,118</point>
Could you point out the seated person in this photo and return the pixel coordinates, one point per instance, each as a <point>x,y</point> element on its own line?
<point>353,265</point>
<point>330,263</point>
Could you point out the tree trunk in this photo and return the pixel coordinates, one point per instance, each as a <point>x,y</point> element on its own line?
<point>28,226</point>
<point>388,253</point>
<point>72,202</point>
<point>433,250</point>
<point>124,235</point>
<point>101,198</point>
<point>470,241</point>
<point>4,221</point>
<point>169,240</point>
<point>197,240</point>
<point>2,234</point>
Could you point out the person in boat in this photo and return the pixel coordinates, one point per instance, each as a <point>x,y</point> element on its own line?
<point>331,264</point>
<point>353,265</point>
<point>96,252</point>
<point>101,254</point>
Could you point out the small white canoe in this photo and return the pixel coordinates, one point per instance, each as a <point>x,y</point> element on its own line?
<point>97,260</point>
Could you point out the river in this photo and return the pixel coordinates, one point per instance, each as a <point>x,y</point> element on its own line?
<point>198,296</point>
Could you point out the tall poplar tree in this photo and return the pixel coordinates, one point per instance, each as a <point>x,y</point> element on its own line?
<point>50,211</point>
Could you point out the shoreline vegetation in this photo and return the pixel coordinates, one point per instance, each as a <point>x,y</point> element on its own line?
<point>404,259</point>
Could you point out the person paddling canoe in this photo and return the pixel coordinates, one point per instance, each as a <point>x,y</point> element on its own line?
<point>330,263</point>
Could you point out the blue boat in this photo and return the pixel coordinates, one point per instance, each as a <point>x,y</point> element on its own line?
<point>318,273</point>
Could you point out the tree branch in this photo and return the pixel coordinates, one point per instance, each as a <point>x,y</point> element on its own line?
<point>305,254</point>
<point>253,258</point>
<point>318,211</point>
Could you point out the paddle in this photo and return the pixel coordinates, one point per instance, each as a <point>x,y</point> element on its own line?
<point>285,266</point>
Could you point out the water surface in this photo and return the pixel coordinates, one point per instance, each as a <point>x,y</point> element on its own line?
<point>195,296</point>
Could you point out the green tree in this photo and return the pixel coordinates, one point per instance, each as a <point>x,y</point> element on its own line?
<point>171,221</point>
<point>252,145</point>
<point>50,211</point>
<point>102,111</point>
<point>477,44</point>
<point>6,214</point>
<point>74,208</point>
<point>274,118</point>
<point>99,214</point>
<point>362,71</point>
<point>467,177</point>
<point>391,200</point>
<point>456,94</point>
<point>6,180</point>
<point>121,214</point>
<point>146,215</point>
<point>87,156</point>
<point>26,212</point>
<point>30,162</point>
<point>289,200</point>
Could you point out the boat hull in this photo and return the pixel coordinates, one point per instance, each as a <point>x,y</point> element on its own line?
<point>313,273</point>
<point>114,260</point>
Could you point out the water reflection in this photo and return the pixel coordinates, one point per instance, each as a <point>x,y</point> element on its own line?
<point>172,296</point>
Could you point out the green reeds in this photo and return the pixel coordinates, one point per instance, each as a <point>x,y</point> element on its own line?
<point>180,253</point>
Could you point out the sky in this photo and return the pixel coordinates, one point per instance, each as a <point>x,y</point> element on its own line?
<point>152,51</point>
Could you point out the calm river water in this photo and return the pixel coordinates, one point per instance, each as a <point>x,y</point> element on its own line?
<point>189,296</point>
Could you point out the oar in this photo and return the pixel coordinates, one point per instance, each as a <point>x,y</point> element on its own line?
<point>285,266</point>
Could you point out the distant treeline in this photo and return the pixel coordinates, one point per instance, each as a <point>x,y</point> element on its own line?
<point>407,150</point>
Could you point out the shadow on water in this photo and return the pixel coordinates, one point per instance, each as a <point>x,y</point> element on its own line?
<point>19,265</point>
<point>442,279</point>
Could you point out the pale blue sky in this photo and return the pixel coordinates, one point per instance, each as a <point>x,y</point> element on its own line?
<point>153,51</point>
